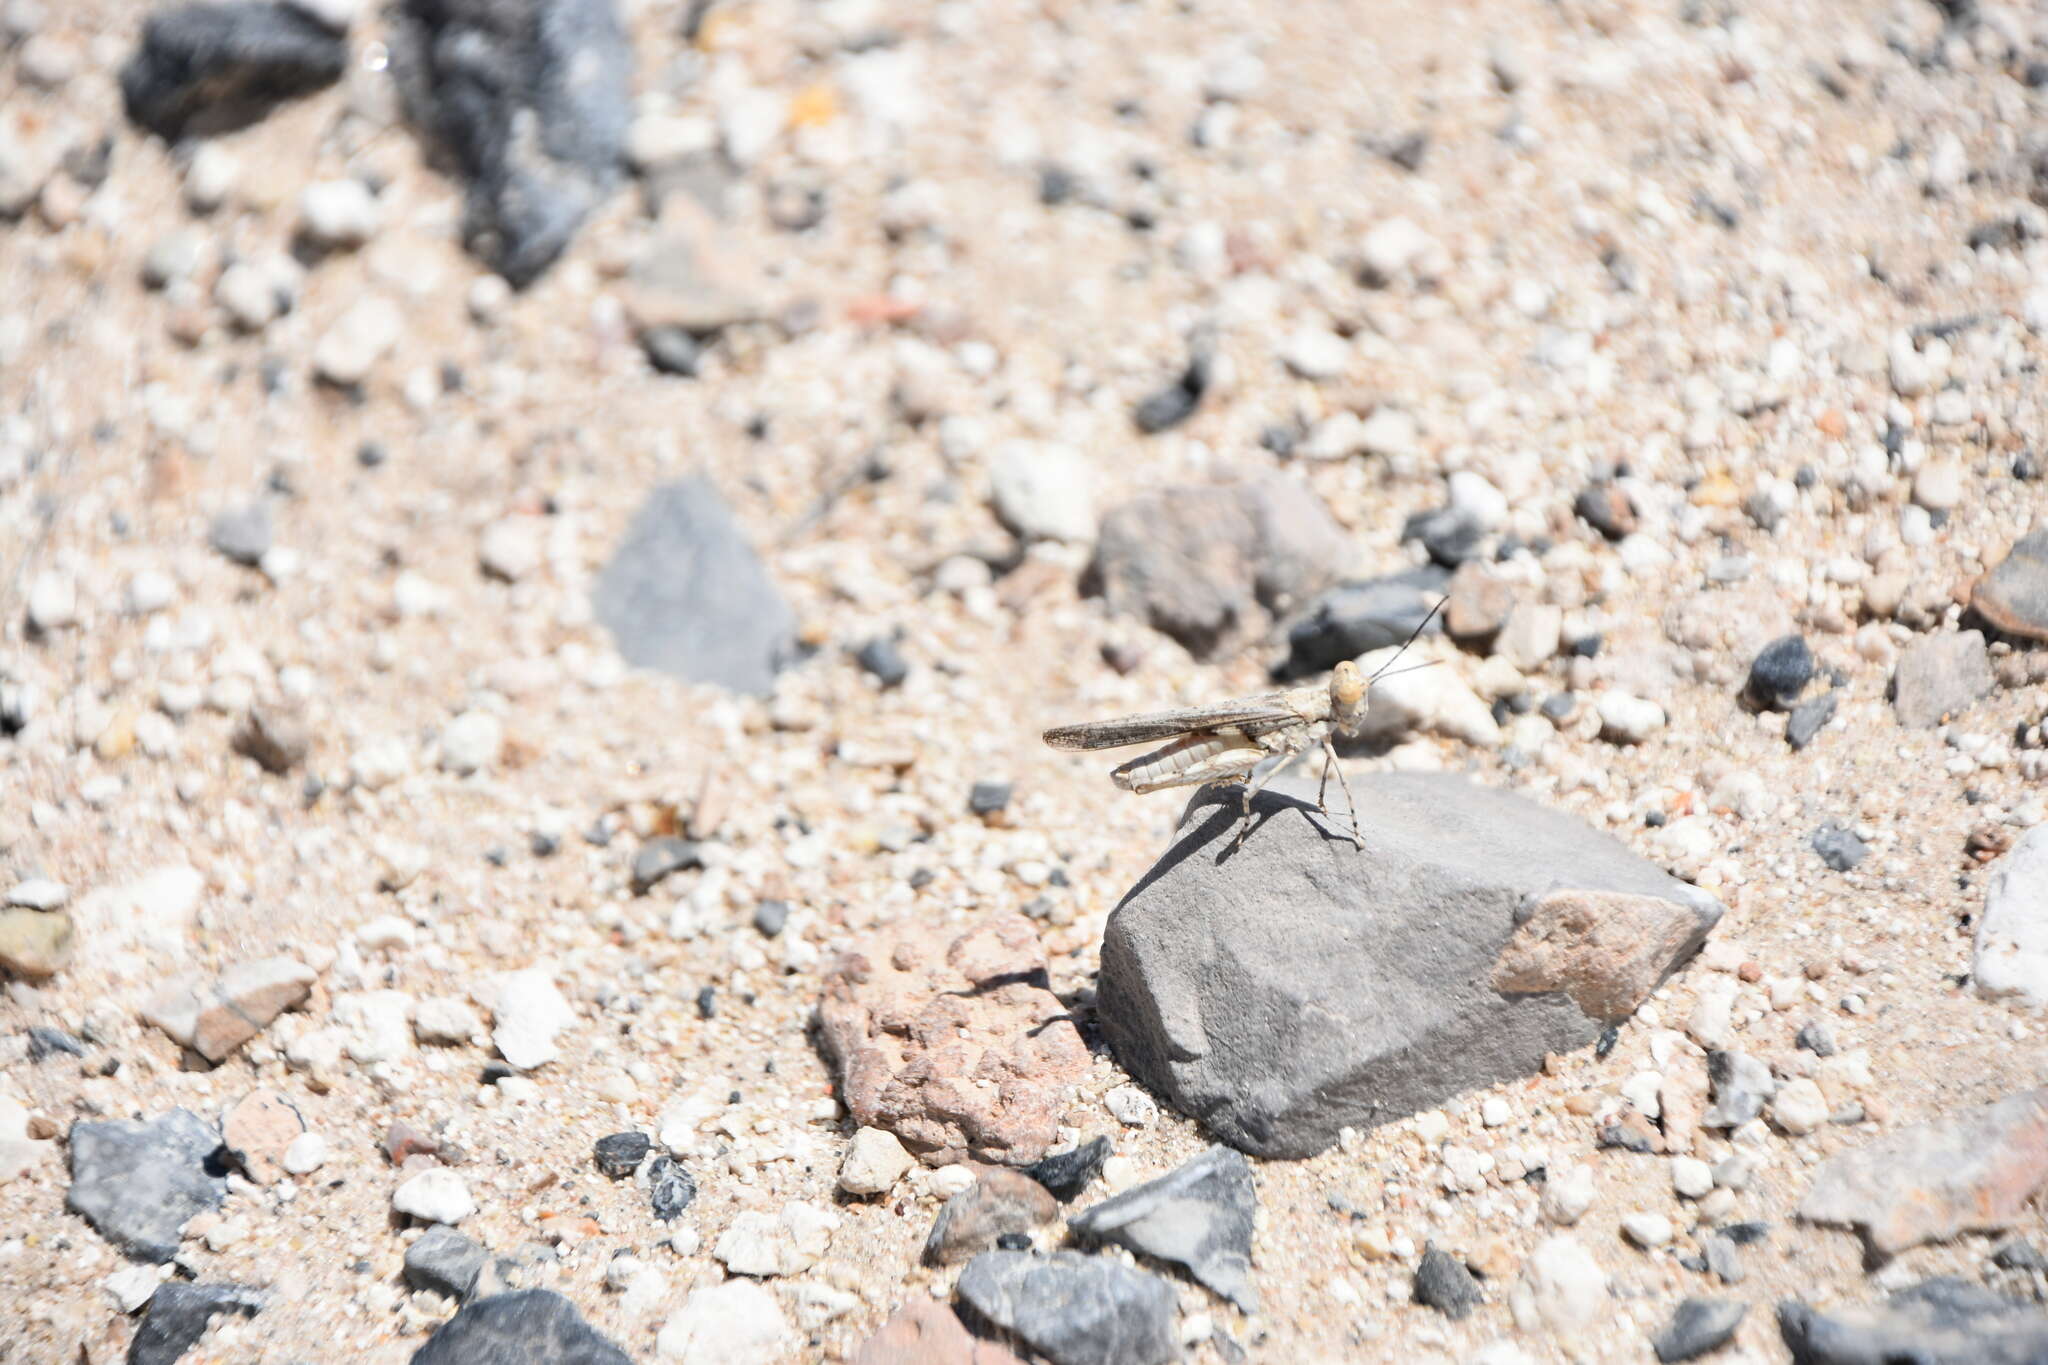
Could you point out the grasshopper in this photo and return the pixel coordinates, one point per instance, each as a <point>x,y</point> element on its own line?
<point>1229,740</point>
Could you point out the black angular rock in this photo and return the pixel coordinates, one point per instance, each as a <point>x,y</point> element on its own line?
<point>1354,618</point>
<point>1779,673</point>
<point>139,1183</point>
<point>1443,1283</point>
<point>1839,848</point>
<point>211,68</point>
<point>179,1315</point>
<point>1450,535</point>
<point>529,1327</point>
<point>1071,1309</point>
<point>883,661</point>
<point>1697,1327</point>
<point>1067,1174</point>
<point>1293,986</point>
<point>1937,1322</point>
<point>670,1187</point>
<point>45,1042</point>
<point>685,594</point>
<point>445,1262</point>
<point>532,99</point>
<point>657,858</point>
<point>1809,718</point>
<point>1173,404</point>
<point>618,1155</point>
<point>1198,1216</point>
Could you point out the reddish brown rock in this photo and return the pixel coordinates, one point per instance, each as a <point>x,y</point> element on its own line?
<point>2014,596</point>
<point>257,1130</point>
<point>1605,950</point>
<point>1972,1172</point>
<point>960,1051</point>
<point>926,1333</point>
<point>999,1202</point>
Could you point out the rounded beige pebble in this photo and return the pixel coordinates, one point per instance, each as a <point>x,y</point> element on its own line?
<point>1799,1107</point>
<point>1691,1177</point>
<point>1646,1230</point>
<point>875,1161</point>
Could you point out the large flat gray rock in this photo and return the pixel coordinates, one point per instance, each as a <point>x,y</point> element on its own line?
<point>686,594</point>
<point>1299,985</point>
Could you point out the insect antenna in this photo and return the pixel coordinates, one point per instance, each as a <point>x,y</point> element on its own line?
<point>1413,635</point>
<point>1412,668</point>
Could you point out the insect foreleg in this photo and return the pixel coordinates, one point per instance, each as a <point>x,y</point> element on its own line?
<point>1329,762</point>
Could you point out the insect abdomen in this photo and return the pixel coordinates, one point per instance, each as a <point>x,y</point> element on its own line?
<point>1160,767</point>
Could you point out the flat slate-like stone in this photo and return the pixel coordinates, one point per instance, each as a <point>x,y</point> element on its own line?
<point>529,1327</point>
<point>139,1183</point>
<point>1199,1216</point>
<point>444,1261</point>
<point>1299,985</point>
<point>1697,1327</point>
<point>1071,1309</point>
<point>179,1315</point>
<point>685,594</point>
<point>2013,597</point>
<point>1936,1322</point>
<point>210,68</point>
<point>1356,618</point>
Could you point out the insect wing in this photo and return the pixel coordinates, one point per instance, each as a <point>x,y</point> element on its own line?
<point>1247,716</point>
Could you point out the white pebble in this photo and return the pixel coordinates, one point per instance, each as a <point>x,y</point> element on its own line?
<point>306,1154</point>
<point>338,213</point>
<point>1646,1230</point>
<point>434,1196</point>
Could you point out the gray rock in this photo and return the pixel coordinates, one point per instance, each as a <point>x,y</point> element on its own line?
<point>1723,1259</point>
<point>445,1262</point>
<point>560,74</point>
<point>684,593</point>
<point>203,69</point>
<point>658,858</point>
<point>1936,1322</point>
<point>1779,673</point>
<point>1198,1216</point>
<point>2014,596</point>
<point>1741,1086</point>
<point>1939,676</point>
<point>1809,718</point>
<point>1213,566</point>
<point>138,1183</point>
<point>529,1327</point>
<point>997,1204</point>
<point>1297,985</point>
<point>243,533</point>
<point>1071,1309</point>
<point>1839,848</point>
<point>1697,1327</point>
<point>2010,956</point>
<point>1357,618</point>
<point>1443,1283</point>
<point>179,1315</point>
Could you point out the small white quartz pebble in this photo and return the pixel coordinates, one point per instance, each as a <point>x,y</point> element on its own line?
<point>1646,1230</point>
<point>1495,1112</point>
<point>436,1196</point>
<point>1691,1177</point>
<point>306,1154</point>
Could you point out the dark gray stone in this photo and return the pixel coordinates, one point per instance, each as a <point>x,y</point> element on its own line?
<point>203,69</point>
<point>657,858</point>
<point>139,1183</point>
<point>1071,1309</point>
<point>1839,848</point>
<point>670,1187</point>
<point>1198,1216</point>
<point>179,1315</point>
<point>1937,1322</point>
<point>445,1262</point>
<point>1068,1173</point>
<point>1443,1283</point>
<point>1779,673</point>
<point>243,533</point>
<point>1211,566</point>
<point>618,1155</point>
<point>1816,1037</point>
<point>527,1327</point>
<point>685,594</point>
<point>770,917</point>
<point>883,661</point>
<point>1450,535</point>
<point>1699,1326</point>
<point>1297,985</point>
<point>1741,1085</point>
<point>532,99</point>
<point>1809,718</point>
<point>2017,1253</point>
<point>986,798</point>
<point>1357,618</point>
<point>45,1042</point>
<point>1723,1258</point>
<point>1938,677</point>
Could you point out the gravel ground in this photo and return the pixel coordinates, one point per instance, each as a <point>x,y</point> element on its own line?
<point>1721,255</point>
